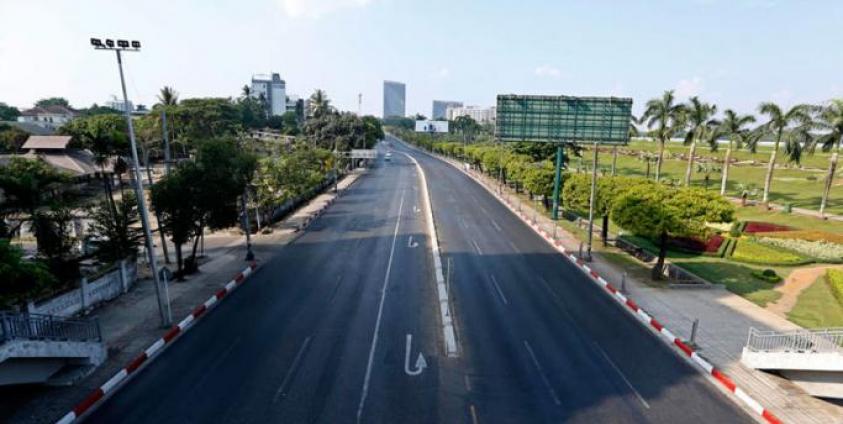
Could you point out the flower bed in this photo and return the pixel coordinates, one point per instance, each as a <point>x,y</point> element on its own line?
<point>809,235</point>
<point>824,251</point>
<point>753,227</point>
<point>693,244</point>
<point>756,253</point>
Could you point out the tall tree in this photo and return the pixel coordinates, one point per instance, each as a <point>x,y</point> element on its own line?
<point>779,122</point>
<point>320,105</point>
<point>702,127</point>
<point>830,120</point>
<point>53,101</point>
<point>25,186</point>
<point>734,127</point>
<point>8,113</point>
<point>11,138</point>
<point>246,91</point>
<point>168,96</point>
<point>116,237</point>
<point>664,118</point>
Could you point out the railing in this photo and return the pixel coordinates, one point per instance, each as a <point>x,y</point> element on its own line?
<point>796,341</point>
<point>16,326</point>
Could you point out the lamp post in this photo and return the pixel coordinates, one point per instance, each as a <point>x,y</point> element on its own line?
<point>163,298</point>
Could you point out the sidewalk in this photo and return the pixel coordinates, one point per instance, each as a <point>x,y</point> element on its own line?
<point>725,320</point>
<point>132,322</point>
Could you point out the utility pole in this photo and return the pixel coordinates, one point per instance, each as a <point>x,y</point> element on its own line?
<point>591,200</point>
<point>163,298</point>
<point>557,180</point>
<point>360,104</point>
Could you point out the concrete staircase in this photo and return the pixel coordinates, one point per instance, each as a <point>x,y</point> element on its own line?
<point>46,349</point>
<point>811,359</point>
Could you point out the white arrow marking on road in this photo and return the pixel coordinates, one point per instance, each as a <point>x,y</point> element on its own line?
<point>416,209</point>
<point>411,243</point>
<point>421,364</point>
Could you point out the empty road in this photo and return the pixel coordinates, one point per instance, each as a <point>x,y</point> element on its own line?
<point>342,326</point>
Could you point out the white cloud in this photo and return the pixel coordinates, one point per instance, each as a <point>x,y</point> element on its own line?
<point>689,87</point>
<point>548,71</point>
<point>442,73</point>
<point>317,8</point>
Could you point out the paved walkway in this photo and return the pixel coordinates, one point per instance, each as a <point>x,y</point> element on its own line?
<point>132,322</point>
<point>725,320</point>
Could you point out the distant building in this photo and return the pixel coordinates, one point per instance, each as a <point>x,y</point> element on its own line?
<point>50,117</point>
<point>273,90</point>
<point>394,99</point>
<point>479,114</point>
<point>440,108</point>
<point>120,105</point>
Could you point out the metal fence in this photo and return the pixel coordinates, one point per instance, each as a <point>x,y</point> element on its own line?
<point>796,341</point>
<point>26,326</point>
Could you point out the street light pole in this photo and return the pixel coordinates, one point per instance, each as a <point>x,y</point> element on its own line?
<point>163,298</point>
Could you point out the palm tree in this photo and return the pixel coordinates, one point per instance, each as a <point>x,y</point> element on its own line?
<point>666,116</point>
<point>830,119</point>
<point>319,103</point>
<point>780,121</point>
<point>168,96</point>
<point>734,128</point>
<point>701,127</point>
<point>247,91</point>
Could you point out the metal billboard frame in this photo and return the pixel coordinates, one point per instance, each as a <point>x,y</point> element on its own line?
<point>555,119</point>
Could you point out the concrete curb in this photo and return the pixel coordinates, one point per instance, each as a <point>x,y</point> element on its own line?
<point>633,307</point>
<point>114,383</point>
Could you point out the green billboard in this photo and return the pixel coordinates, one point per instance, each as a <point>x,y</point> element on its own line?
<point>603,120</point>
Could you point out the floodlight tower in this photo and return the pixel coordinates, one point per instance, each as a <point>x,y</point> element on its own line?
<point>163,298</point>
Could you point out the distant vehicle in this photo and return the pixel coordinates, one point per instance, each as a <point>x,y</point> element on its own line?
<point>388,156</point>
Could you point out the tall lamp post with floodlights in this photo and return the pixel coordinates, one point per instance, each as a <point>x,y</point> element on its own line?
<point>121,46</point>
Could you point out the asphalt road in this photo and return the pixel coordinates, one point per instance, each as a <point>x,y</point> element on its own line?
<point>320,332</point>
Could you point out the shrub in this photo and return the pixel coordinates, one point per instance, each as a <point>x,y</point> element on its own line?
<point>755,253</point>
<point>736,229</point>
<point>834,277</point>
<point>767,275</point>
<point>829,252</point>
<point>697,245</point>
<point>753,227</point>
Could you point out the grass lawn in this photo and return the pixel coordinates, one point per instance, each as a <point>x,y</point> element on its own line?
<point>799,187</point>
<point>737,279</point>
<point>816,307</point>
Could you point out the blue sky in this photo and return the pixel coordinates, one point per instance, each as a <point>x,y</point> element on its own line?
<point>735,53</point>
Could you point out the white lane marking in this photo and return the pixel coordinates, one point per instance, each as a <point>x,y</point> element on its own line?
<point>291,371</point>
<point>541,372</point>
<point>448,329</point>
<point>368,376</point>
<point>477,247</point>
<point>625,380</point>
<point>495,224</point>
<point>513,246</point>
<point>498,288</point>
<point>421,364</point>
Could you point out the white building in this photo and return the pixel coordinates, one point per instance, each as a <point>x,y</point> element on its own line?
<point>120,105</point>
<point>479,114</point>
<point>50,117</point>
<point>273,90</point>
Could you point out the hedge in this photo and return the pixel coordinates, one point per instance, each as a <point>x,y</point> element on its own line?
<point>834,277</point>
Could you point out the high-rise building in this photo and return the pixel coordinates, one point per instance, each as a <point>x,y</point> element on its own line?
<point>273,90</point>
<point>440,108</point>
<point>394,99</point>
<point>479,114</point>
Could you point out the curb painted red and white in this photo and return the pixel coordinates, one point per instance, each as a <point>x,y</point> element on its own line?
<point>153,350</point>
<point>636,310</point>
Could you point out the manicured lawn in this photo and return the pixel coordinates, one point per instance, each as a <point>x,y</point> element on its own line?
<point>799,187</point>
<point>817,307</point>
<point>737,278</point>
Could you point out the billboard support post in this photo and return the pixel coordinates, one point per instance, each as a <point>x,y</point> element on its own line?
<point>557,181</point>
<point>591,201</point>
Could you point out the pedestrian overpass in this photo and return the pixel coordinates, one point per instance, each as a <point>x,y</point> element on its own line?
<point>37,348</point>
<point>811,359</point>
